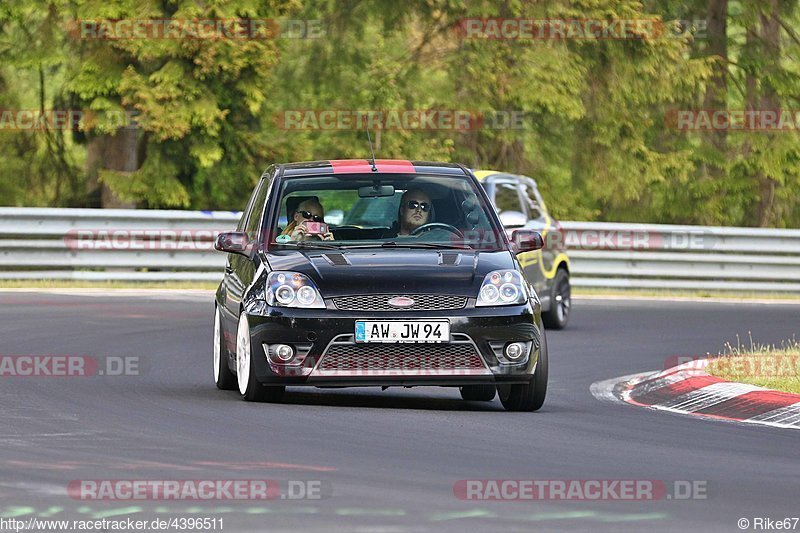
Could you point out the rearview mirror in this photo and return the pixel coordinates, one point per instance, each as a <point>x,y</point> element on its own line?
<point>525,240</point>
<point>233,242</point>
<point>374,191</point>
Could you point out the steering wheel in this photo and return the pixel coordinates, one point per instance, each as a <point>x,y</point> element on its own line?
<point>437,225</point>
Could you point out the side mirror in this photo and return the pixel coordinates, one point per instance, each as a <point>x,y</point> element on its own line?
<point>513,219</point>
<point>233,242</point>
<point>525,240</point>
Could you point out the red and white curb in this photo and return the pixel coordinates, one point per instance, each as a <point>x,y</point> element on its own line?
<point>689,389</point>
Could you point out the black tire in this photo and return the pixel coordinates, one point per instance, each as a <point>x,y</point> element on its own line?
<point>223,377</point>
<point>264,394</point>
<point>560,302</point>
<point>530,396</point>
<point>249,387</point>
<point>478,393</point>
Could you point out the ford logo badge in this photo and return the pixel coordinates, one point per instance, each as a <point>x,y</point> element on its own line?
<point>400,301</point>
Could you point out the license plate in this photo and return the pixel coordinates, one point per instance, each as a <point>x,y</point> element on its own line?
<point>396,331</point>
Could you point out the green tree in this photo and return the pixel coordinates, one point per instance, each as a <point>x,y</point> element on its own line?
<point>596,134</point>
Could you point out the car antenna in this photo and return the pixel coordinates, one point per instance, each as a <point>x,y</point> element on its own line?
<point>369,138</point>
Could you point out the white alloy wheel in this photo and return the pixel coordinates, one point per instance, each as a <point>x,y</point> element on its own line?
<point>243,354</point>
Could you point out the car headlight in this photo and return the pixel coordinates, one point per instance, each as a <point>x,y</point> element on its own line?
<point>292,289</point>
<point>502,287</point>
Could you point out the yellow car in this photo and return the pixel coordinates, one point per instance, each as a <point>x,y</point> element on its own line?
<point>520,206</point>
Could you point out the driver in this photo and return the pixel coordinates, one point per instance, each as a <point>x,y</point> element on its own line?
<point>415,211</point>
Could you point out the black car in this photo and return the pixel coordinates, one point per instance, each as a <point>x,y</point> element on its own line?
<point>432,294</point>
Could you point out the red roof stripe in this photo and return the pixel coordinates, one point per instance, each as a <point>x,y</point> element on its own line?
<point>358,166</point>
<point>350,166</point>
<point>395,165</point>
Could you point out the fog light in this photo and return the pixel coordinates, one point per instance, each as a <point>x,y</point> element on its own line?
<point>283,353</point>
<point>514,350</point>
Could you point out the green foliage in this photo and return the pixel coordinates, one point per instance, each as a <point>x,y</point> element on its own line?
<point>596,132</point>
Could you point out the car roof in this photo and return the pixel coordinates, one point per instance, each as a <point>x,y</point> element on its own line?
<point>363,166</point>
<point>483,174</point>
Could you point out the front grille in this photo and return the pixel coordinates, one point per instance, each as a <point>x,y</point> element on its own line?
<point>379,302</point>
<point>389,359</point>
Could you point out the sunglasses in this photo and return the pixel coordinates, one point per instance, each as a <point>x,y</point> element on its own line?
<point>413,204</point>
<point>310,216</point>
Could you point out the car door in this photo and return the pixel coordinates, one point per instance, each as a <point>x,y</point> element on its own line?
<point>514,213</point>
<point>539,220</point>
<point>239,269</point>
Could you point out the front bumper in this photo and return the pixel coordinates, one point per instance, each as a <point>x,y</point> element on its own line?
<point>332,358</point>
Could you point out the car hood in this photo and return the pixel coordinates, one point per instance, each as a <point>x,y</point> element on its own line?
<point>408,271</point>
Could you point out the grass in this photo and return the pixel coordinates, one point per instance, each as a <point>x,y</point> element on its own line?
<point>765,365</point>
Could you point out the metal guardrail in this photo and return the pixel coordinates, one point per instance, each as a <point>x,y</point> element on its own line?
<point>44,243</point>
<point>685,257</point>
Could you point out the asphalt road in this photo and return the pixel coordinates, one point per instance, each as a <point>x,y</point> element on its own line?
<point>385,460</point>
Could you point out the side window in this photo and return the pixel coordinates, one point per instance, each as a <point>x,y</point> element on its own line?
<point>256,209</point>
<point>533,200</point>
<point>246,212</point>
<point>506,198</point>
<point>243,218</point>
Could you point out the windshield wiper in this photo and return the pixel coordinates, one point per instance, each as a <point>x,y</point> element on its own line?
<point>394,244</point>
<point>327,245</point>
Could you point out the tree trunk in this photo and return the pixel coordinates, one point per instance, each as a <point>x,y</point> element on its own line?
<point>119,152</point>
<point>770,41</point>
<point>717,89</point>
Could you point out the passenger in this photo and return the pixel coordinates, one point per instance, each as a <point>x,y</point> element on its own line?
<point>309,210</point>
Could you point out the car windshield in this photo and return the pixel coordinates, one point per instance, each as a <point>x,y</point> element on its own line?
<point>388,211</point>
